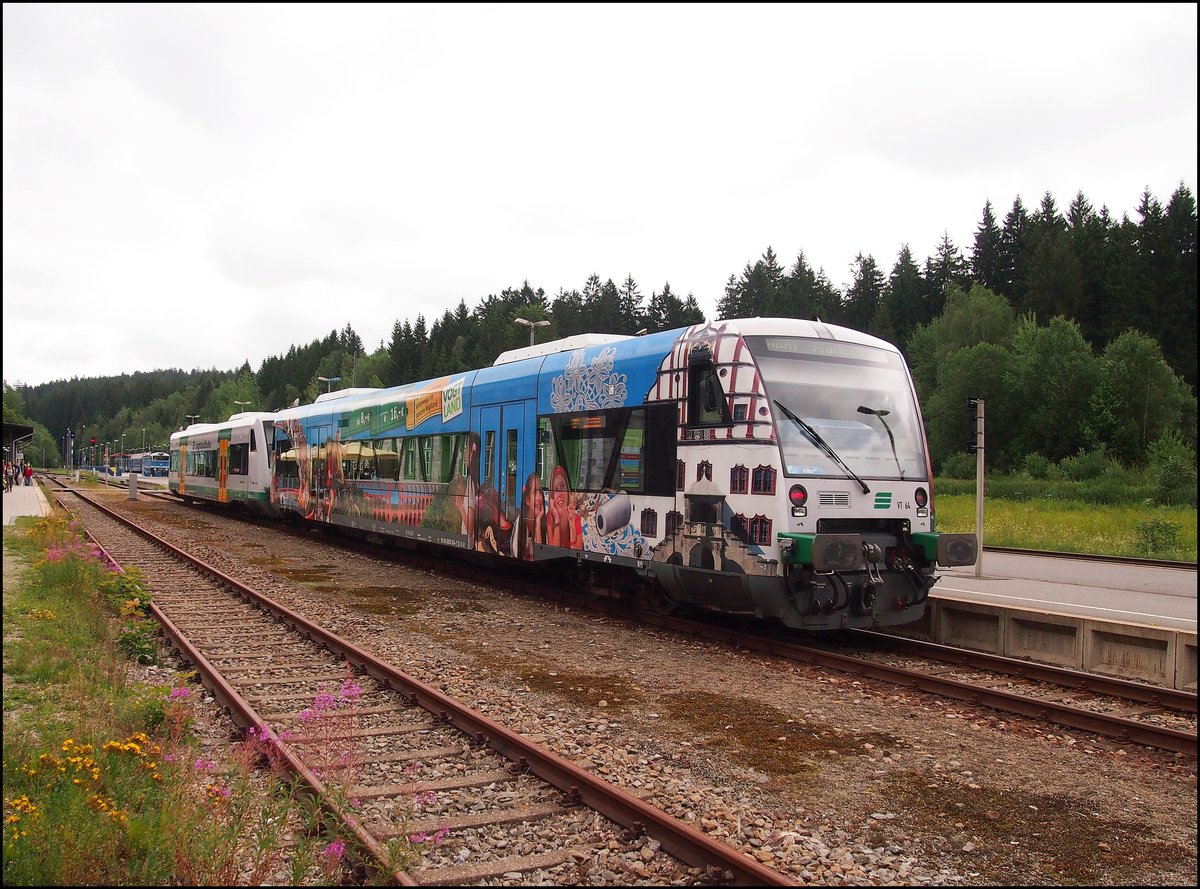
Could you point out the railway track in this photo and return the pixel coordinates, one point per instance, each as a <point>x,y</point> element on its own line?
<point>1129,712</point>
<point>504,805</point>
<point>1126,711</point>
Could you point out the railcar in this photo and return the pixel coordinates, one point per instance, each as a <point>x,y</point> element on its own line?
<point>118,465</point>
<point>150,464</point>
<point>227,463</point>
<point>774,468</point>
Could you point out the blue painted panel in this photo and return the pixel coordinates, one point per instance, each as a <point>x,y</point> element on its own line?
<point>515,381</point>
<point>618,374</point>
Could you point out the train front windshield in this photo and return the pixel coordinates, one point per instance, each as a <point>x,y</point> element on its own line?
<point>849,396</point>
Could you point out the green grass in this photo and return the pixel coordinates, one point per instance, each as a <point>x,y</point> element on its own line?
<point>1164,532</point>
<point>102,780</point>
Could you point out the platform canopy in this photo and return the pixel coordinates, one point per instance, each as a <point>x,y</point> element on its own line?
<point>14,432</point>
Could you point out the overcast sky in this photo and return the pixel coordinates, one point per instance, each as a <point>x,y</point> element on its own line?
<point>197,187</point>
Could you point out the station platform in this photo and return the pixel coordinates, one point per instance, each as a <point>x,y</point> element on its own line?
<point>24,500</point>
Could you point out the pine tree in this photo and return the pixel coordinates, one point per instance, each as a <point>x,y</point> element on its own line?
<point>903,299</point>
<point>944,268</point>
<point>633,317</point>
<point>1012,247</point>
<point>987,260</point>
<point>865,293</point>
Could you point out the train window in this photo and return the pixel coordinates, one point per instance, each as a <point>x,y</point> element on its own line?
<point>627,449</point>
<point>239,459</point>
<point>253,443</point>
<point>387,460</point>
<point>489,456</point>
<point>268,433</point>
<point>510,464</point>
<point>707,404</point>
<point>631,457</point>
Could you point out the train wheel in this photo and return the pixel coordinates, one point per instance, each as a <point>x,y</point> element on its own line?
<point>655,598</point>
<point>579,577</point>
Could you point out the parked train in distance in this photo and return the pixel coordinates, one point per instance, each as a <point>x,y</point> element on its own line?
<point>768,467</point>
<point>150,464</point>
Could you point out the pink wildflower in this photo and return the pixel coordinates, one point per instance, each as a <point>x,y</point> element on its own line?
<point>179,694</point>
<point>334,850</point>
<point>324,701</point>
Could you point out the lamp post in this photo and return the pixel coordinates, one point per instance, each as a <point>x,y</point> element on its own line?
<point>532,325</point>
<point>243,403</point>
<point>192,418</point>
<point>330,381</point>
<point>143,439</point>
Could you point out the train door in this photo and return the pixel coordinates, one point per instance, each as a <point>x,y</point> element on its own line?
<point>183,449</point>
<point>223,467</point>
<point>503,465</point>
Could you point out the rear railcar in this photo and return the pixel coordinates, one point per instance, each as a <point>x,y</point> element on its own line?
<point>227,463</point>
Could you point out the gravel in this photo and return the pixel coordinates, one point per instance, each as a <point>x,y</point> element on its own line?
<point>829,778</point>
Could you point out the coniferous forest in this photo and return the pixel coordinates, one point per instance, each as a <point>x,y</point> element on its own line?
<point>1078,329</point>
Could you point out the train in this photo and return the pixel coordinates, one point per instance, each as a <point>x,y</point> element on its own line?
<point>150,464</point>
<point>773,468</point>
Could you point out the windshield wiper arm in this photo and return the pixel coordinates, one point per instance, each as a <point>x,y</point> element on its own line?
<point>824,446</point>
<point>863,409</point>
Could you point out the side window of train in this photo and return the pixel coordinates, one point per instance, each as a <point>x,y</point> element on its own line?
<point>707,405</point>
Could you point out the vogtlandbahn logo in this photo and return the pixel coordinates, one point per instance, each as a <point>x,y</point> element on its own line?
<point>883,499</point>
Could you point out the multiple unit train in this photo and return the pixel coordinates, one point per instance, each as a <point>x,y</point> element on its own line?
<point>150,463</point>
<point>776,468</point>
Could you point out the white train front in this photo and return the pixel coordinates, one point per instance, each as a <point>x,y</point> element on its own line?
<point>768,467</point>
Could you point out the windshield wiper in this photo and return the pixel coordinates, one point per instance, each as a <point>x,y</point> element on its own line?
<point>863,409</point>
<point>816,439</point>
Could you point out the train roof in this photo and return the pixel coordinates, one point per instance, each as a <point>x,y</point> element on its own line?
<point>574,373</point>
<point>239,420</point>
<point>566,344</point>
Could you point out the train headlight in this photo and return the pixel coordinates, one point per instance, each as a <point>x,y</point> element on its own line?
<point>799,498</point>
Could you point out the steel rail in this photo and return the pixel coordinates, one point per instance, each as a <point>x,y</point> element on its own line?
<point>676,838</point>
<point>1104,724</point>
<point>1094,683</point>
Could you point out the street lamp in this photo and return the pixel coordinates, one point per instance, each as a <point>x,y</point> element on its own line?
<point>192,418</point>
<point>243,403</point>
<point>330,381</point>
<point>532,325</point>
<point>143,439</point>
